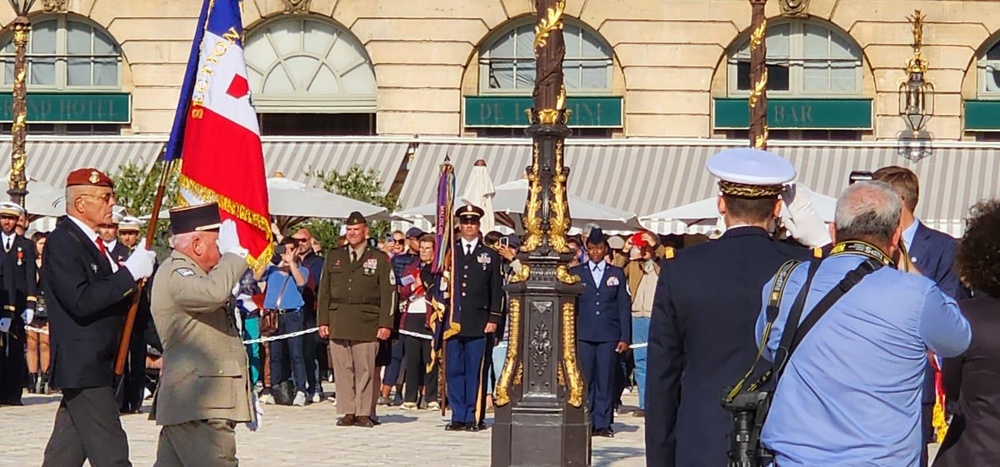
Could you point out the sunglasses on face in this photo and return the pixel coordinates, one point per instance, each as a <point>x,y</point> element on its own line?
<point>300,240</point>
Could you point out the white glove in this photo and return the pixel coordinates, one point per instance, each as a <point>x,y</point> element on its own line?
<point>229,239</point>
<point>5,324</point>
<point>800,218</point>
<point>28,316</point>
<point>140,263</point>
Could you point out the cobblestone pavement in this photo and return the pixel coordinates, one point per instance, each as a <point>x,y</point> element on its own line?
<point>306,436</point>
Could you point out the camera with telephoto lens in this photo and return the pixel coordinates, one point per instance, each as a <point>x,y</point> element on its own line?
<point>748,410</point>
<point>278,251</point>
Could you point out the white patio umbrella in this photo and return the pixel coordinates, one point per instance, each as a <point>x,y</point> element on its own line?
<point>479,191</point>
<point>44,200</point>
<point>510,197</point>
<point>293,202</point>
<point>295,199</point>
<point>703,216</point>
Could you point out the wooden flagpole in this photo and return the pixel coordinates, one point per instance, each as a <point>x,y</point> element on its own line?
<point>161,190</point>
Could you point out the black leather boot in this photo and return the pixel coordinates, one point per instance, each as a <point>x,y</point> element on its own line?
<point>32,383</point>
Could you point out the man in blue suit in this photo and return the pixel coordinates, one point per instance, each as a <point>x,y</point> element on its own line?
<point>704,312</point>
<point>603,329</point>
<point>932,253</point>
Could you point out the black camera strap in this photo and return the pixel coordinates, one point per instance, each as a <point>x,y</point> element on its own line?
<point>774,300</point>
<point>792,336</point>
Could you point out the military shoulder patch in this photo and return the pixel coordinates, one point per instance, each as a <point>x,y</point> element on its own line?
<point>184,272</point>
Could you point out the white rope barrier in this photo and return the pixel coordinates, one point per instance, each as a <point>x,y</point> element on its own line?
<point>281,337</point>
<point>34,329</point>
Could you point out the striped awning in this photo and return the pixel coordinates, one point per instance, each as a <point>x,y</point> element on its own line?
<point>51,159</point>
<point>646,176</point>
<point>642,176</point>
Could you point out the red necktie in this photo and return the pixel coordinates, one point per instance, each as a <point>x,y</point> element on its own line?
<point>104,250</point>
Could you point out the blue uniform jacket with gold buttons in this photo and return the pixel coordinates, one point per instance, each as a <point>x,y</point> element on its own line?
<point>479,285</point>
<point>604,313</point>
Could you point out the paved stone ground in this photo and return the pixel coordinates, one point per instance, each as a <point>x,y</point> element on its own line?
<point>303,436</point>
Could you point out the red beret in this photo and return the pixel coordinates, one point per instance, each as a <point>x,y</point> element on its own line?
<point>89,176</point>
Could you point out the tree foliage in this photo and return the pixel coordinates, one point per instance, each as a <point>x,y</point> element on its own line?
<point>135,190</point>
<point>359,184</point>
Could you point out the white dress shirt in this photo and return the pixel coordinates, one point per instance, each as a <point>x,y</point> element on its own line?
<point>597,271</point>
<point>89,233</point>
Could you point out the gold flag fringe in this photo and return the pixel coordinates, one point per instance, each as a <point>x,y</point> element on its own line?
<point>257,263</point>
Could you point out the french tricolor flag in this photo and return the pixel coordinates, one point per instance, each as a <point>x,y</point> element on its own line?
<point>215,132</point>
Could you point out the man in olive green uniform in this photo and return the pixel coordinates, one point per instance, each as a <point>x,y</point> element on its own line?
<point>355,311</point>
<point>203,390</point>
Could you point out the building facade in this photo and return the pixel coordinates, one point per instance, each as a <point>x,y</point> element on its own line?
<point>655,87</point>
<point>634,68</point>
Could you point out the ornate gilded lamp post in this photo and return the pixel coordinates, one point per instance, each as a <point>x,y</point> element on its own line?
<point>21,26</point>
<point>541,418</point>
<point>758,75</point>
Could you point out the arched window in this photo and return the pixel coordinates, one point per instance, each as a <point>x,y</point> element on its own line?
<point>507,63</point>
<point>989,72</point>
<point>307,66</point>
<point>74,76</point>
<point>803,59</point>
<point>66,54</point>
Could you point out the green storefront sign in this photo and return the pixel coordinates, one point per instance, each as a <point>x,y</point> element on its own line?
<point>982,115</point>
<point>72,107</point>
<point>503,111</point>
<point>818,114</point>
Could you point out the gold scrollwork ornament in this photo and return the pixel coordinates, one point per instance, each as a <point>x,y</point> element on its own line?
<point>502,396</point>
<point>574,381</point>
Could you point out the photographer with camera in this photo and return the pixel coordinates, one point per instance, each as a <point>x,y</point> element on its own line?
<point>849,393</point>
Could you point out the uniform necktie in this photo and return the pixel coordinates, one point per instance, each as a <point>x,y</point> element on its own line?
<point>7,246</point>
<point>468,248</point>
<point>102,248</point>
<point>354,257</point>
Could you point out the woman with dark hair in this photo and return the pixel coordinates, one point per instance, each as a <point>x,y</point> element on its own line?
<point>38,341</point>
<point>972,379</point>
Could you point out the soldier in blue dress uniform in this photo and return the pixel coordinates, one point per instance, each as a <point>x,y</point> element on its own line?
<point>603,327</point>
<point>705,309</point>
<point>479,285</point>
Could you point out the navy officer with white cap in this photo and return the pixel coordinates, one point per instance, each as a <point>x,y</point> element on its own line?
<point>705,309</point>
<point>19,286</point>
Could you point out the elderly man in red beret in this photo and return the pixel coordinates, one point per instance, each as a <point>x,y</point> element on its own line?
<point>87,294</point>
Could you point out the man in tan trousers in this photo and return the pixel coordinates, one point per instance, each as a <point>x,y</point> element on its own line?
<point>355,310</point>
<point>203,390</point>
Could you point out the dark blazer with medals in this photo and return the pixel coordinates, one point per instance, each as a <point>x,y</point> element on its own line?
<point>86,303</point>
<point>119,253</point>
<point>479,285</point>
<point>355,299</point>
<point>701,341</point>
<point>18,275</point>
